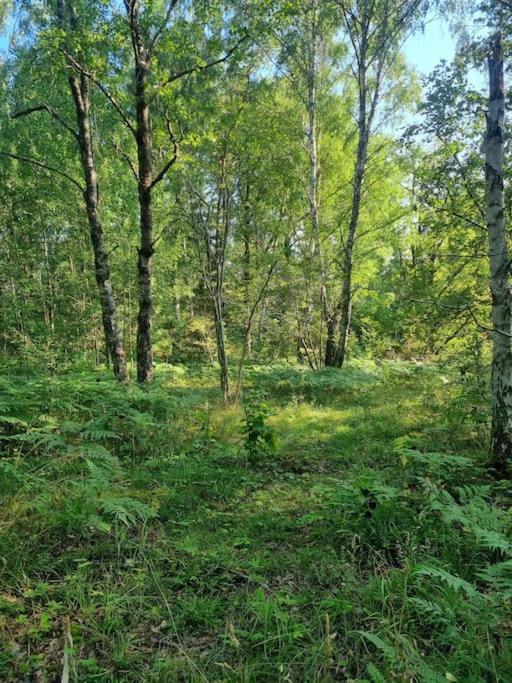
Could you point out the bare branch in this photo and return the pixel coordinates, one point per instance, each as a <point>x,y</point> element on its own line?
<point>159,236</point>
<point>165,168</point>
<point>459,310</point>
<point>175,142</point>
<point>49,110</point>
<point>126,157</point>
<point>76,65</point>
<point>248,324</point>
<point>198,67</point>
<point>46,167</point>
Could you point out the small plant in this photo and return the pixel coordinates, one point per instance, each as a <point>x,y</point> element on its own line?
<point>259,437</point>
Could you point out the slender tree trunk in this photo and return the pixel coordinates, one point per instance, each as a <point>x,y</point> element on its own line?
<point>248,329</point>
<point>314,176</point>
<point>80,93</point>
<point>80,90</point>
<point>51,299</point>
<point>146,249</point>
<point>221,346</point>
<point>246,264</point>
<point>501,433</point>
<point>348,256</point>
<point>212,244</point>
<point>331,342</point>
<point>219,259</point>
<point>312,135</point>
<point>346,306</point>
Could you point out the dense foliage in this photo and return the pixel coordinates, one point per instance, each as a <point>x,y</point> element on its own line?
<point>290,251</point>
<point>239,191</point>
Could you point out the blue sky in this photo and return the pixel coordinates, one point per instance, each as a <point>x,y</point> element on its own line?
<point>425,50</point>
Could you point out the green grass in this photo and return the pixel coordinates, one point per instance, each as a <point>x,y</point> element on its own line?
<point>141,541</point>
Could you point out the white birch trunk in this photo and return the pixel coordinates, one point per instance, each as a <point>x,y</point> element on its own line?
<point>501,432</point>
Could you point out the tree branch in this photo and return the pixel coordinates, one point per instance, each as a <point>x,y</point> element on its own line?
<point>248,324</point>
<point>126,157</point>
<point>49,110</point>
<point>46,167</point>
<point>462,309</point>
<point>76,65</point>
<point>175,142</point>
<point>198,67</point>
<point>154,40</point>
<point>165,169</point>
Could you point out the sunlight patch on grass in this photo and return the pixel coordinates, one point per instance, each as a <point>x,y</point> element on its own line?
<point>311,422</point>
<point>277,498</point>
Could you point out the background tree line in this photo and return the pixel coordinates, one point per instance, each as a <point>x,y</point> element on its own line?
<point>242,181</point>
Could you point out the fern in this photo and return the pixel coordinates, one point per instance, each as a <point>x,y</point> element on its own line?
<point>375,674</point>
<point>486,522</point>
<point>404,657</point>
<point>439,614</point>
<point>101,464</point>
<point>440,464</point>
<point>12,421</point>
<point>97,430</point>
<point>499,577</point>
<point>454,582</point>
<point>126,510</point>
<point>43,438</point>
<point>492,540</point>
<point>383,646</point>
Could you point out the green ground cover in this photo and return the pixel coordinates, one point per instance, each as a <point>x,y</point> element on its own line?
<point>342,527</point>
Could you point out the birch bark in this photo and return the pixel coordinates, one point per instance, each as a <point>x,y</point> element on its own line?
<point>501,432</point>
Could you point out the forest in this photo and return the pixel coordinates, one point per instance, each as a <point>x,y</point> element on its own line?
<point>255,341</point>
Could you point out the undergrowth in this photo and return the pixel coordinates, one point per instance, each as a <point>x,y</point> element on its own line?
<point>340,527</point>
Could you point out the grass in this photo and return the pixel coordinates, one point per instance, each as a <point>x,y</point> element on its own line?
<point>141,540</point>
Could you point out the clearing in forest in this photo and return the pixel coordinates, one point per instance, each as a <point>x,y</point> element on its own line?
<point>340,528</point>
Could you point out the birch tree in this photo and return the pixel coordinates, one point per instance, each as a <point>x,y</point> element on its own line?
<point>306,41</point>
<point>79,86</point>
<point>144,53</point>
<point>501,293</point>
<point>374,29</point>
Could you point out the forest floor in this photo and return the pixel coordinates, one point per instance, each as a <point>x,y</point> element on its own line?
<point>153,535</point>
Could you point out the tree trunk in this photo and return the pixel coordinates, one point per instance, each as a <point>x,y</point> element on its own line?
<point>314,176</point>
<point>79,88</point>
<point>221,347</point>
<point>332,324</point>
<point>80,92</point>
<point>501,432</point>
<point>146,249</point>
<point>312,135</point>
<point>346,305</point>
<point>246,264</point>
<point>348,256</point>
